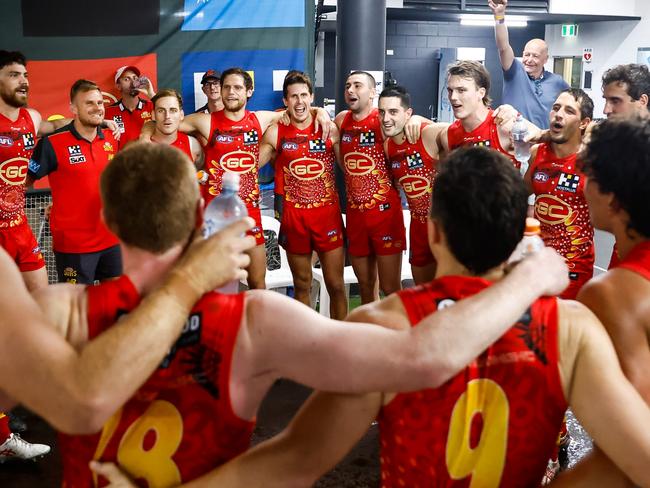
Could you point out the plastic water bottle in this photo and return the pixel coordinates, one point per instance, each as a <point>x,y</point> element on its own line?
<point>531,242</point>
<point>522,148</point>
<point>225,209</point>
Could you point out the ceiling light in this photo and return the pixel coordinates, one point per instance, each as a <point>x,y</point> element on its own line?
<point>488,20</point>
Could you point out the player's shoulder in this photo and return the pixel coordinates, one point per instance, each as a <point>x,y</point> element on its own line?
<point>389,313</point>
<point>53,295</point>
<point>340,117</point>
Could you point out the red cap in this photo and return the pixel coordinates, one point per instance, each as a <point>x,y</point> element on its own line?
<point>121,70</point>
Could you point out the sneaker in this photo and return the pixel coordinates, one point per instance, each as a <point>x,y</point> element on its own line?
<point>16,447</point>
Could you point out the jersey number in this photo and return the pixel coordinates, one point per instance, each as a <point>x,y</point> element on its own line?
<point>154,464</point>
<point>485,461</point>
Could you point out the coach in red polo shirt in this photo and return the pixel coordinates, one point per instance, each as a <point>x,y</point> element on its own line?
<point>74,157</point>
<point>131,111</point>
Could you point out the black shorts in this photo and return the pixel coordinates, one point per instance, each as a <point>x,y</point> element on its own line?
<point>86,268</point>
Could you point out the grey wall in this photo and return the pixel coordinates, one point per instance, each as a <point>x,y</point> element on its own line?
<point>414,44</point>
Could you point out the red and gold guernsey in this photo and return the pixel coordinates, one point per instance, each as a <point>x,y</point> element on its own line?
<point>306,165</point>
<point>495,423</point>
<point>637,260</point>
<point>367,181</point>
<point>17,142</point>
<point>233,147</point>
<point>182,142</point>
<point>486,134</point>
<point>180,423</point>
<point>561,207</point>
<point>414,170</point>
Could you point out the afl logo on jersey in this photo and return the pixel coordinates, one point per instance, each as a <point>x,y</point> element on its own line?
<point>414,186</point>
<point>552,210</point>
<point>540,176</point>
<point>358,164</point>
<point>238,162</point>
<point>224,139</point>
<point>289,146</point>
<point>6,141</point>
<point>306,168</point>
<point>13,171</point>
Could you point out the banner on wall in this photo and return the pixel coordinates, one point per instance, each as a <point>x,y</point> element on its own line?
<point>50,81</point>
<point>267,68</point>
<point>200,15</point>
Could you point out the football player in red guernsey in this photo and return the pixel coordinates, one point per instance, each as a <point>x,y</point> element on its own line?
<point>413,168</point>
<point>558,183</point>
<point>234,136</point>
<point>468,88</point>
<point>168,114</point>
<point>311,216</point>
<point>494,424</point>
<point>202,400</point>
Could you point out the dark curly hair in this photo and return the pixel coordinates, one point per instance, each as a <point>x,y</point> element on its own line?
<point>635,76</point>
<point>617,157</point>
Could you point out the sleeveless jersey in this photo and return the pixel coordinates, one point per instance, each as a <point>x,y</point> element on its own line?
<point>233,147</point>
<point>486,134</point>
<point>495,423</point>
<point>182,142</point>
<point>367,181</point>
<point>561,207</point>
<point>414,169</point>
<point>305,163</point>
<point>638,260</point>
<point>17,141</point>
<point>179,424</point>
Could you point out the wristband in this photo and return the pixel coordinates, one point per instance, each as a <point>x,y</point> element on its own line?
<point>500,19</point>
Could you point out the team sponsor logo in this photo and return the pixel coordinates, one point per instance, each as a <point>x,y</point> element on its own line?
<point>238,162</point>
<point>33,166</point>
<point>251,137</point>
<point>120,123</point>
<point>551,209</point>
<point>414,186</point>
<point>384,206</point>
<point>317,145</point>
<point>13,171</point>
<point>145,115</point>
<point>28,141</point>
<point>568,182</point>
<point>347,137</point>
<point>358,164</point>
<point>367,138</point>
<point>479,143</point>
<point>69,272</point>
<point>445,303</point>
<point>224,139</point>
<point>289,146</point>
<point>573,276</point>
<point>6,141</point>
<point>540,176</point>
<point>306,168</point>
<point>75,154</point>
<point>414,161</point>
<point>108,147</point>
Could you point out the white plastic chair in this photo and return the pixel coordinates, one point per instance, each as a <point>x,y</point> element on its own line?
<point>406,266</point>
<point>281,277</point>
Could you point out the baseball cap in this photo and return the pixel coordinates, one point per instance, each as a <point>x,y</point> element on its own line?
<point>211,74</point>
<point>121,70</point>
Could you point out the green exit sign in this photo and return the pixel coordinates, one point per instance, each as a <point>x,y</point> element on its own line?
<point>569,30</point>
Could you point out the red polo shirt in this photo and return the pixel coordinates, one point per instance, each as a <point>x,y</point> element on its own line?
<point>130,123</point>
<point>74,165</point>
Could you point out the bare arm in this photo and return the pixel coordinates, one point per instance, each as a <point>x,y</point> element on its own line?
<point>76,391</point>
<point>267,146</point>
<point>604,402</point>
<point>430,137</point>
<point>197,152</point>
<point>325,354</point>
<point>506,54</point>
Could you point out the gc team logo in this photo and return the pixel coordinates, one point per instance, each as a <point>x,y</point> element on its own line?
<point>238,162</point>
<point>13,171</point>
<point>358,164</point>
<point>306,168</point>
<point>414,186</point>
<point>552,210</point>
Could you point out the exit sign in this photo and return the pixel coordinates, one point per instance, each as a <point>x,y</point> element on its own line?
<point>569,30</point>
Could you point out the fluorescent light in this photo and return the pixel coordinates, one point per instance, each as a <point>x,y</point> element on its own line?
<point>488,20</point>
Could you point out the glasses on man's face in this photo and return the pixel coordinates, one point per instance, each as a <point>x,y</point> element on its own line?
<point>211,83</point>
<point>538,87</point>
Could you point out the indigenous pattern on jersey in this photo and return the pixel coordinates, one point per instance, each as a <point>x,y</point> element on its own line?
<point>486,135</point>
<point>495,423</point>
<point>638,260</point>
<point>180,423</point>
<point>561,207</point>
<point>233,147</point>
<point>306,164</point>
<point>367,181</point>
<point>414,169</point>
<point>17,142</point>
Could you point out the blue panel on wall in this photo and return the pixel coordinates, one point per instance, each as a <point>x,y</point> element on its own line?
<point>262,64</point>
<point>242,14</point>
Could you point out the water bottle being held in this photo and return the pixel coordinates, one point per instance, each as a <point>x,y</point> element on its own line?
<point>531,242</point>
<point>522,148</point>
<point>225,209</point>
